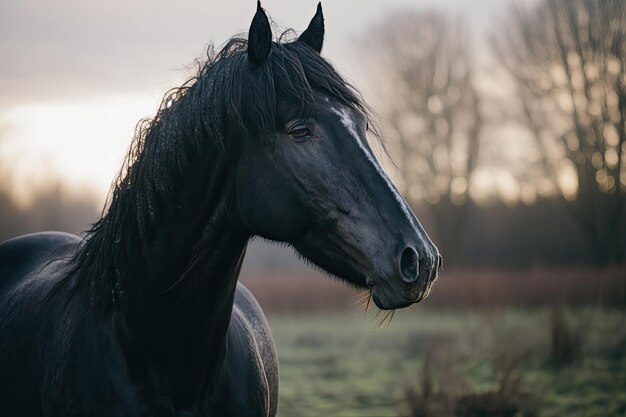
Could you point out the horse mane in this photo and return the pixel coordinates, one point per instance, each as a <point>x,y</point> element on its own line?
<point>190,125</point>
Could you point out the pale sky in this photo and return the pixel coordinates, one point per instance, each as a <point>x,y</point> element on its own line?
<point>76,76</point>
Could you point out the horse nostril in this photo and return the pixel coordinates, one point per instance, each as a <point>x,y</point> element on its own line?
<point>439,261</point>
<point>409,265</point>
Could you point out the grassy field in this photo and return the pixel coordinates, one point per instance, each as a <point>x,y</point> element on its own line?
<point>344,365</point>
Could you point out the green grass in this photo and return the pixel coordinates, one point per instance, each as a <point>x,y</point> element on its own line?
<point>343,365</point>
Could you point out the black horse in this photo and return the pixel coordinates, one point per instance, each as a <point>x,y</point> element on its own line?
<point>144,317</point>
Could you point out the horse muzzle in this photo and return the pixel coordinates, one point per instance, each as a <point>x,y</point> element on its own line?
<point>408,282</point>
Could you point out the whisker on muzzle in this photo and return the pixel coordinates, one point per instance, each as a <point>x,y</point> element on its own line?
<point>363,300</point>
<point>383,318</point>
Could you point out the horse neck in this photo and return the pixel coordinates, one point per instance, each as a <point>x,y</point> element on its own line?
<point>173,321</point>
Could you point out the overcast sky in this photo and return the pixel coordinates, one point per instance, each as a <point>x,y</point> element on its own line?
<point>75,76</point>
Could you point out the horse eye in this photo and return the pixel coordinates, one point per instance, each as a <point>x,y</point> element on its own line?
<point>299,132</point>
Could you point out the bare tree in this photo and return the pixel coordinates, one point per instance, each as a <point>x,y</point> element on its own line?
<point>567,59</point>
<point>431,113</point>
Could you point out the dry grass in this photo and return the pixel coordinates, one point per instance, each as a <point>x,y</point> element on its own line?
<point>434,396</point>
<point>439,396</point>
<point>509,400</point>
<point>485,288</point>
<point>564,349</point>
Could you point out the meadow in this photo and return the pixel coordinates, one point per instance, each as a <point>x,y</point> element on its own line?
<point>445,362</point>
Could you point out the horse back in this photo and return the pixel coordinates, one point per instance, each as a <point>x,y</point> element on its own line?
<point>25,256</point>
<point>27,272</point>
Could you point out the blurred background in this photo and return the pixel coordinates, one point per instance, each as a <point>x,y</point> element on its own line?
<point>505,122</point>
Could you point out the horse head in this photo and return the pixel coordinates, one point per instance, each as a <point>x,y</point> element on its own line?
<point>313,181</point>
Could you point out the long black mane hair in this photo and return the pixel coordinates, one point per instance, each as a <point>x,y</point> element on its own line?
<point>227,98</point>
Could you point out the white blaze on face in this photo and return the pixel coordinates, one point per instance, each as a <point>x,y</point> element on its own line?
<point>350,125</point>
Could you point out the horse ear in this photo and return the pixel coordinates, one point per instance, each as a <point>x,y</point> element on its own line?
<point>259,37</point>
<point>314,34</point>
